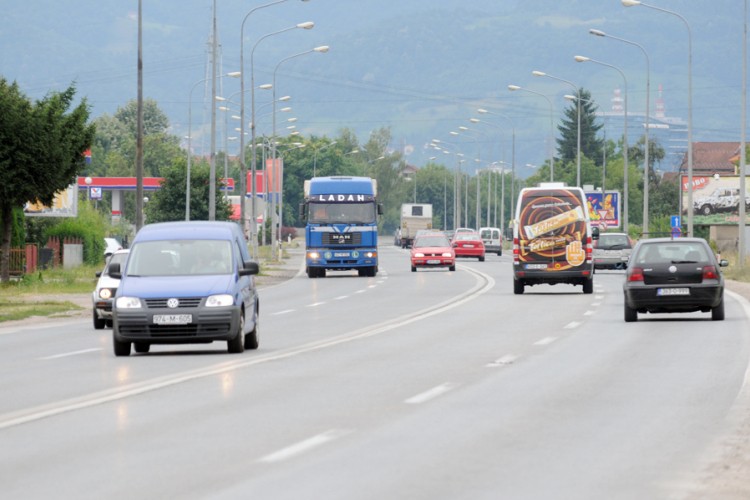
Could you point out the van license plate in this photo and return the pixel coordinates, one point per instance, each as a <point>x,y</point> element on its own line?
<point>672,291</point>
<point>536,266</point>
<point>173,319</point>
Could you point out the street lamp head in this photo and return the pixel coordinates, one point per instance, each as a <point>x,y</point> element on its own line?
<point>322,49</point>
<point>539,73</point>
<point>285,98</point>
<point>582,59</point>
<point>265,86</point>
<point>234,74</point>
<point>219,98</point>
<point>453,133</point>
<point>474,120</point>
<point>291,120</point>
<point>482,111</point>
<point>306,25</point>
<point>463,128</point>
<point>570,97</point>
<point>630,3</point>
<point>286,109</point>
<point>596,32</point>
<point>513,88</point>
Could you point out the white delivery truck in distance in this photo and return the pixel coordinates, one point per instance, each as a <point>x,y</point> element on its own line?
<point>414,217</point>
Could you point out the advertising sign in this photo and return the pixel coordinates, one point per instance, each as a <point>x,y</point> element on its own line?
<point>604,209</point>
<point>716,200</point>
<point>65,204</point>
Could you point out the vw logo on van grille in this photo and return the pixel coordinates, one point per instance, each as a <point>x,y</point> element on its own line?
<point>172,303</point>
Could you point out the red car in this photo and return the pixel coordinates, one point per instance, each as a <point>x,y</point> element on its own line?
<point>468,245</point>
<point>432,250</point>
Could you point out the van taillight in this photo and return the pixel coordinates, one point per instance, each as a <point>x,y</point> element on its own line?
<point>635,274</point>
<point>589,249</point>
<point>709,273</point>
<point>516,250</point>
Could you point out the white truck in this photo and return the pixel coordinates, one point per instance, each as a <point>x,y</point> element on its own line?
<point>414,217</point>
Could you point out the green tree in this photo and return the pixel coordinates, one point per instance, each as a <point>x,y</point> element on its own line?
<point>168,203</point>
<point>41,151</point>
<point>567,143</point>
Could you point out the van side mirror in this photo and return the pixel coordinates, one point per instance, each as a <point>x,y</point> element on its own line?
<point>380,209</point>
<point>249,268</point>
<point>114,271</point>
<point>594,233</point>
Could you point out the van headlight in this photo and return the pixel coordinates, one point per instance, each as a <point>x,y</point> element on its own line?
<point>222,300</point>
<point>128,303</point>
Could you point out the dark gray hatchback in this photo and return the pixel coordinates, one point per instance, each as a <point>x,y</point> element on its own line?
<point>673,275</point>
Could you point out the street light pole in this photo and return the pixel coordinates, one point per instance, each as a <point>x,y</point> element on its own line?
<point>321,49</point>
<point>513,88</point>
<point>647,165</point>
<point>578,111</point>
<point>625,138</point>
<point>631,3</point>
<point>243,165</point>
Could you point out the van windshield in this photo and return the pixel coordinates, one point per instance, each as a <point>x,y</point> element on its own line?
<point>180,258</point>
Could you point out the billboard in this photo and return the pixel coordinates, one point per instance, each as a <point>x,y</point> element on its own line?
<point>604,209</point>
<point>65,204</point>
<point>716,200</point>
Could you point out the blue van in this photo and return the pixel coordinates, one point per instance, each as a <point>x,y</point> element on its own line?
<point>186,283</point>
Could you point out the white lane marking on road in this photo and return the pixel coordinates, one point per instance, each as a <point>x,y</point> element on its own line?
<point>545,341</point>
<point>572,324</point>
<point>596,304</point>
<point>304,446</point>
<point>54,408</point>
<point>285,311</point>
<point>74,353</point>
<point>341,297</point>
<point>373,286</point>
<point>508,359</point>
<point>315,304</point>
<point>431,394</point>
<point>589,313</point>
<point>360,291</point>
<point>599,297</point>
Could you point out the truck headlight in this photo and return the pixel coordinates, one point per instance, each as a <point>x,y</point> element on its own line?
<point>313,255</point>
<point>128,303</point>
<point>222,300</point>
<point>371,255</point>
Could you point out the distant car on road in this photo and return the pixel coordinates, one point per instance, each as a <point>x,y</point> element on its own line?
<point>669,276</point>
<point>467,244</point>
<point>492,239</point>
<point>612,251</point>
<point>432,250</point>
<point>106,288</point>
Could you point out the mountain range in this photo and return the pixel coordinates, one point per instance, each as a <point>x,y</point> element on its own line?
<point>419,67</point>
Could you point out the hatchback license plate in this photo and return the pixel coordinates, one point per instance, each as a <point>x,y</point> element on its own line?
<point>672,291</point>
<point>173,319</point>
<point>433,261</point>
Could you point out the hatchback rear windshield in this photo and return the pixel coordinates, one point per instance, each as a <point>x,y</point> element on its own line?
<point>672,252</point>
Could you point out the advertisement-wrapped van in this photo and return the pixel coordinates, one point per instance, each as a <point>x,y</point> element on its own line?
<point>552,238</point>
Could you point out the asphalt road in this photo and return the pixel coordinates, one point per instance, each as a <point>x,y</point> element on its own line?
<point>407,385</point>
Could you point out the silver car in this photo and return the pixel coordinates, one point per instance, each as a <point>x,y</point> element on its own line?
<point>612,251</point>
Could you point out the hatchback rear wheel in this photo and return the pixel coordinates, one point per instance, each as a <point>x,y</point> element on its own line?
<point>717,313</point>
<point>630,314</point>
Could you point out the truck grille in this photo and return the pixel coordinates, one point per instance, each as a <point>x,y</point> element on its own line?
<point>332,239</point>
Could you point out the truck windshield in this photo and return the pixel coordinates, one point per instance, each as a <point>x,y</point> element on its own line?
<point>332,213</point>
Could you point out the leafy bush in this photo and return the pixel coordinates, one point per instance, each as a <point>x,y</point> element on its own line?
<point>90,226</point>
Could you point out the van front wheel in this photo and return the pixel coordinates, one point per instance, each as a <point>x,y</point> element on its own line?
<point>237,344</point>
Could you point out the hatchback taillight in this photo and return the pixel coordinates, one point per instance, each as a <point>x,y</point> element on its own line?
<point>709,273</point>
<point>635,274</point>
